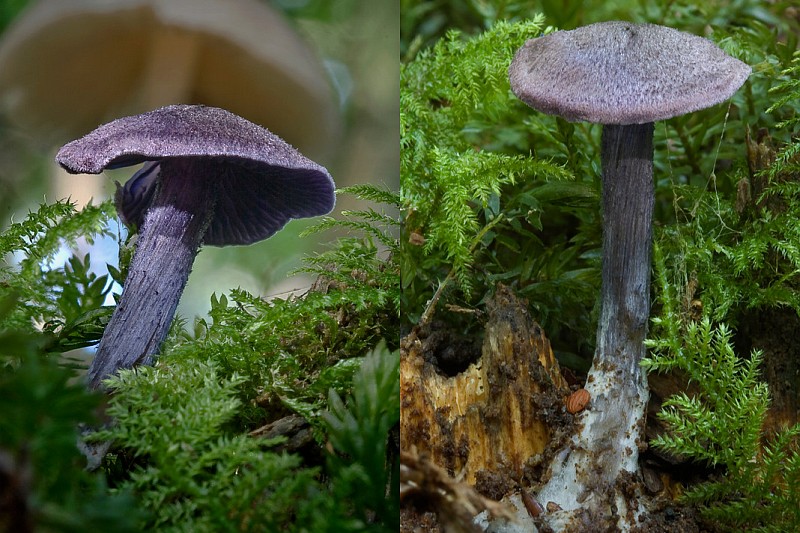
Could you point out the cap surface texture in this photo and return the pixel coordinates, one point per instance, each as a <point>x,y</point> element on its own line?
<point>623,73</point>
<point>262,182</point>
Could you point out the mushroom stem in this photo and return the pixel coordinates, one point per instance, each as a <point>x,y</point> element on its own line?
<point>628,197</point>
<point>171,235</point>
<point>612,432</point>
<point>604,453</point>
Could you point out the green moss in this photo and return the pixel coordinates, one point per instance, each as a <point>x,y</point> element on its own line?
<point>497,192</point>
<point>479,206</point>
<point>182,445</point>
<point>721,425</point>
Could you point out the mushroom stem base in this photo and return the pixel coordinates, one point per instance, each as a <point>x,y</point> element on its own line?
<point>593,479</point>
<point>171,236</point>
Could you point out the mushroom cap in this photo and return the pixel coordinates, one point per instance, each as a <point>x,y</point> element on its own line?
<point>623,73</point>
<point>263,182</point>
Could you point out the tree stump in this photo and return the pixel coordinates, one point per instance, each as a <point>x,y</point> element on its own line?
<point>490,424</point>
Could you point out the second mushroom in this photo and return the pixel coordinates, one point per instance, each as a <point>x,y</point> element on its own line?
<point>211,177</point>
<point>625,76</point>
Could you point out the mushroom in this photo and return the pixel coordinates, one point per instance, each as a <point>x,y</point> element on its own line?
<point>211,177</point>
<point>624,76</point>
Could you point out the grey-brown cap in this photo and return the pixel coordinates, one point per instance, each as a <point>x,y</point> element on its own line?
<point>623,73</point>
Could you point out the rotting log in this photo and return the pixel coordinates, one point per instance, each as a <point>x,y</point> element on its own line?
<point>491,423</point>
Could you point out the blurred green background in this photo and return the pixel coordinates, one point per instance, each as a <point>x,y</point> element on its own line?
<point>320,74</point>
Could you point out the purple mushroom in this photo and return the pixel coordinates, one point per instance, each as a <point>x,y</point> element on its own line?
<point>625,76</point>
<point>210,177</point>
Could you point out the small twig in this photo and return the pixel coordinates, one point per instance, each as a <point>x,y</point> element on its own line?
<point>456,503</point>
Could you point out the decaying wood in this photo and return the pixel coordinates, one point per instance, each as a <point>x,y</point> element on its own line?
<point>490,420</point>
<point>455,503</point>
<point>294,428</point>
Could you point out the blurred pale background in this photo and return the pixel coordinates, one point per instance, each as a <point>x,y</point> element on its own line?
<point>321,74</point>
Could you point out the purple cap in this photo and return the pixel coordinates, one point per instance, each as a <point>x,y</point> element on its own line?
<point>623,73</point>
<point>263,181</point>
